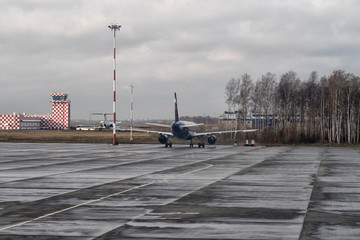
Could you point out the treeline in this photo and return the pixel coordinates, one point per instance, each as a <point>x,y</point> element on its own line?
<point>324,110</point>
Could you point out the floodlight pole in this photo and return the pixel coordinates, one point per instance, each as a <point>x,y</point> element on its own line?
<point>131,114</point>
<point>114,28</point>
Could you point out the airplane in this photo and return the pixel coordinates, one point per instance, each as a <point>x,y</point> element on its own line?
<point>184,130</point>
<point>105,124</point>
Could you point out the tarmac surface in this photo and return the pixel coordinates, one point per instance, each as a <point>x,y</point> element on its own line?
<point>96,191</point>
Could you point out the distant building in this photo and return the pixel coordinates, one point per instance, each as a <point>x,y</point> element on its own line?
<point>59,118</point>
<point>229,116</point>
<point>253,120</point>
<point>261,120</point>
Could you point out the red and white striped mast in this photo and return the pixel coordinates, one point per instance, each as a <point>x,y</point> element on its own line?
<point>131,113</point>
<point>114,28</point>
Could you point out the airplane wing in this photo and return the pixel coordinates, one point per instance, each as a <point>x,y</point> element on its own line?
<point>159,125</point>
<point>186,124</point>
<point>149,131</point>
<point>221,132</point>
<point>191,125</point>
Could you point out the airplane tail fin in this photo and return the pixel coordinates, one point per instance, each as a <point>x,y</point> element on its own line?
<point>176,108</point>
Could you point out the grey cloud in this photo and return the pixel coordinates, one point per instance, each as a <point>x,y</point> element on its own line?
<point>192,47</point>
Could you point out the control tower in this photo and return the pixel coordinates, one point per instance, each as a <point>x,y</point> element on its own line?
<point>60,117</point>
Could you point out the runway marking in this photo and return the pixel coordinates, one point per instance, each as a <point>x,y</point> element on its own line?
<point>102,198</point>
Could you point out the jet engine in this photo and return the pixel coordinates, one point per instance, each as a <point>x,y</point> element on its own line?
<point>211,139</point>
<point>163,139</point>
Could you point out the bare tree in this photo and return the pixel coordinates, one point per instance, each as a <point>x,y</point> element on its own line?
<point>263,95</point>
<point>287,101</point>
<point>309,107</point>
<point>244,97</point>
<point>336,82</point>
<point>351,90</point>
<point>268,91</point>
<point>323,95</point>
<point>231,90</point>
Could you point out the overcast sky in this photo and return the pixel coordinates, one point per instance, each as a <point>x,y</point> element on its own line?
<point>193,47</point>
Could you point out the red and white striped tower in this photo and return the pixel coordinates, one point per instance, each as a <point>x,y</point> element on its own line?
<point>131,114</point>
<point>114,28</point>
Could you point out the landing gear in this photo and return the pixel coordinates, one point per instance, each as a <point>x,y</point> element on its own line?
<point>201,143</point>
<point>165,140</point>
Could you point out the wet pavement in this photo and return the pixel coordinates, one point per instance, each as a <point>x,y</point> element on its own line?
<point>96,191</point>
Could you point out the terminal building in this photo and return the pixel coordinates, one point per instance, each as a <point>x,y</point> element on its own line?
<point>58,120</point>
